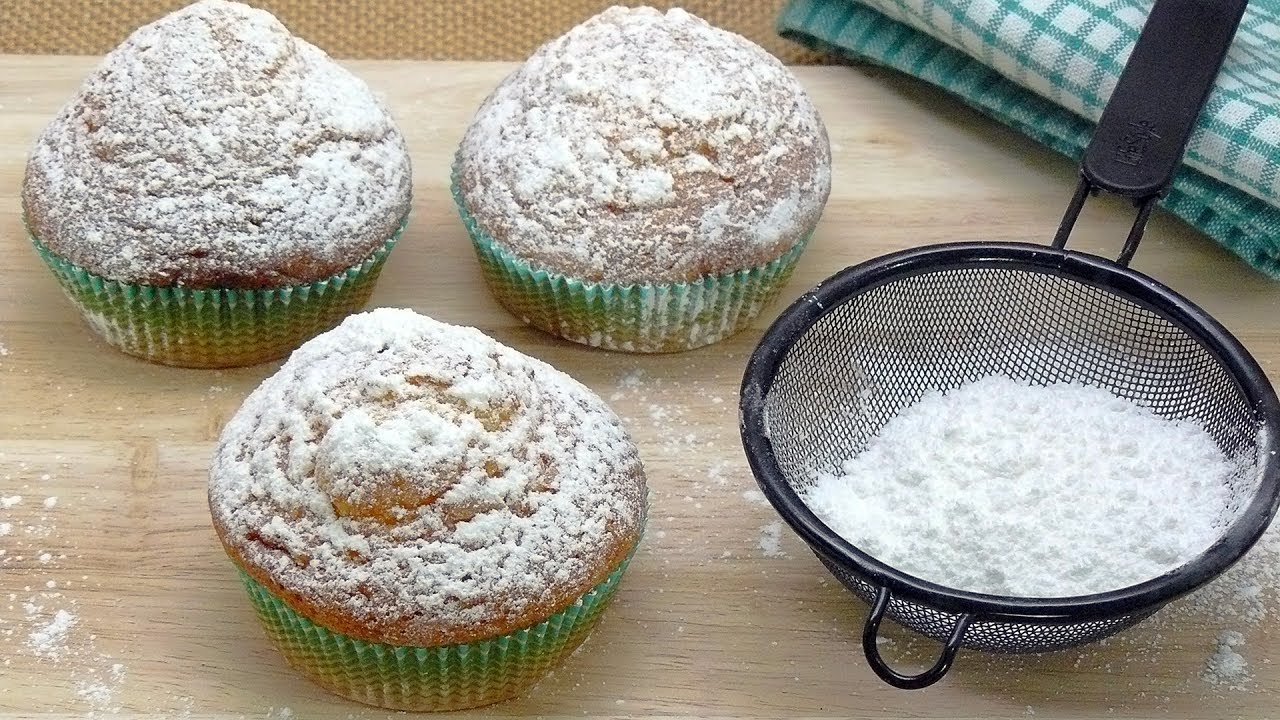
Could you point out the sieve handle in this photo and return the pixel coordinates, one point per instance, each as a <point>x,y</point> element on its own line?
<point>1143,132</point>
<point>1144,128</point>
<point>871,633</point>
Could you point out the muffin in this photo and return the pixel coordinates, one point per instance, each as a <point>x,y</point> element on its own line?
<point>645,182</point>
<point>217,191</point>
<point>424,518</point>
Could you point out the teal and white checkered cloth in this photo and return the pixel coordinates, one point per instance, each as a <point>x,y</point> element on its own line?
<point>1047,67</point>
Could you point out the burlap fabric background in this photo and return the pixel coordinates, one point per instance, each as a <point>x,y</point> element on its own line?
<point>415,29</point>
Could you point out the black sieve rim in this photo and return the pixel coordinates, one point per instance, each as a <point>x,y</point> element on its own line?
<point>1091,270</point>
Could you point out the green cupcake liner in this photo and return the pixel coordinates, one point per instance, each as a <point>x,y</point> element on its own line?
<point>215,327</point>
<point>643,318</point>
<point>447,677</point>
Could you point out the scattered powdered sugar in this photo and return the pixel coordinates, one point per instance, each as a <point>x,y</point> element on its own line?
<point>644,146</point>
<point>1227,666</point>
<point>657,402</point>
<point>211,149</point>
<point>50,631</point>
<point>771,540</point>
<point>50,502</point>
<point>425,480</point>
<point>94,675</point>
<point>100,692</point>
<point>49,640</point>
<point>687,438</point>
<point>1237,602</point>
<point>632,379</point>
<point>717,473</point>
<point>4,351</point>
<point>10,501</point>
<point>1242,594</point>
<point>1008,488</point>
<point>94,692</point>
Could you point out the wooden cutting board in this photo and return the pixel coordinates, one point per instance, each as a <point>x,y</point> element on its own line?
<point>108,456</point>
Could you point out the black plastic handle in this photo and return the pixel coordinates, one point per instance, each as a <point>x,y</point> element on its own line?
<point>1145,126</point>
<point>871,632</point>
<point>1144,129</point>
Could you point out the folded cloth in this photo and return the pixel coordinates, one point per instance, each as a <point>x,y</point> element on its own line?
<point>1046,69</point>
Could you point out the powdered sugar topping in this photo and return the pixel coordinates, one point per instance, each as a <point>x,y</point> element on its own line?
<point>644,147</point>
<point>214,149</point>
<point>425,480</point>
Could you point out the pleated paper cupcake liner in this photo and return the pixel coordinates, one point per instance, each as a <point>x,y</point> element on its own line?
<point>215,327</point>
<point>448,677</point>
<point>642,318</point>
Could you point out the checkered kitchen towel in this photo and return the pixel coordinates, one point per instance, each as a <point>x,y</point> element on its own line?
<point>1047,67</point>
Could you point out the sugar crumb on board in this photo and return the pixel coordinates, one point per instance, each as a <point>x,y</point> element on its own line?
<point>1227,666</point>
<point>631,380</point>
<point>718,472</point>
<point>49,638</point>
<point>770,543</point>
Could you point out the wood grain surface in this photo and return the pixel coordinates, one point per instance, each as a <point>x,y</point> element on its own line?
<point>708,622</point>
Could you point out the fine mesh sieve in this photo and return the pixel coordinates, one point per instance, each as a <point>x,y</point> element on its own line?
<point>871,340</point>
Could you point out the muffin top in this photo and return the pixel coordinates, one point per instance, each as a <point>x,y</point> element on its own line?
<point>646,147</point>
<point>214,149</point>
<point>401,480</point>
